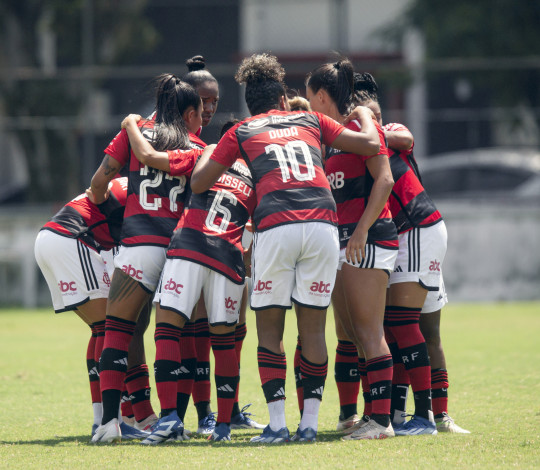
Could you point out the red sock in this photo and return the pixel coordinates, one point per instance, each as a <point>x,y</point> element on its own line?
<point>226,374</point>
<point>366,393</point>
<point>239,336</point>
<point>91,366</point>
<point>99,328</point>
<point>298,376</point>
<point>347,377</point>
<point>187,369</point>
<point>138,387</point>
<point>125,404</point>
<point>273,371</point>
<point>167,365</point>
<point>379,373</point>
<point>201,387</point>
<point>439,386</point>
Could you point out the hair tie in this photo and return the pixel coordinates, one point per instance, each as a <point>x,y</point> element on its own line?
<point>337,65</point>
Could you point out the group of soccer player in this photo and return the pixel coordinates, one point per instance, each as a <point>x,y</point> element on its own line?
<point>338,214</point>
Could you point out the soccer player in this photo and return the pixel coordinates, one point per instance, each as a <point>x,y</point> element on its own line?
<point>295,249</point>
<point>154,203</point>
<point>416,289</point>
<point>205,254</point>
<point>360,185</point>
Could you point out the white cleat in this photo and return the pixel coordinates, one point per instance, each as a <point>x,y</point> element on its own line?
<point>370,430</point>
<point>351,422</point>
<point>447,424</point>
<point>108,433</point>
<point>146,423</point>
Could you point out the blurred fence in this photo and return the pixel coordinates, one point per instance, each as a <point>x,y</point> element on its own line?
<point>491,254</point>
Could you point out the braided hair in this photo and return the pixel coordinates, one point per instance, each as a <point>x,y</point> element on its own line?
<point>365,88</point>
<point>263,76</point>
<point>337,79</point>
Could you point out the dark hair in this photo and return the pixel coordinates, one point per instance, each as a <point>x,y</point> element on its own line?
<point>263,76</point>
<point>197,73</point>
<point>227,125</point>
<point>337,80</point>
<point>365,88</point>
<point>173,98</point>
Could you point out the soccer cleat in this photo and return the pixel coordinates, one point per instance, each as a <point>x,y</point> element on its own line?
<point>305,435</point>
<point>222,432</point>
<point>108,433</point>
<point>243,421</point>
<point>446,424</point>
<point>351,421</point>
<point>363,420</point>
<point>415,427</point>
<point>146,423</point>
<point>370,430</point>
<point>129,432</point>
<point>94,428</point>
<point>167,428</point>
<point>207,424</point>
<point>272,437</point>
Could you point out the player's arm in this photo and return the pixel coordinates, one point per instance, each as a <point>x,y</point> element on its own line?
<point>364,141</point>
<point>98,191</point>
<point>379,169</point>
<point>401,139</point>
<point>142,149</point>
<point>206,172</point>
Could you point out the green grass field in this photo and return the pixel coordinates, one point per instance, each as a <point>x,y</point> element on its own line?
<point>493,355</point>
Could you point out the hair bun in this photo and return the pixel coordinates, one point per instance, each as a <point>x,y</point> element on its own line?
<point>196,63</point>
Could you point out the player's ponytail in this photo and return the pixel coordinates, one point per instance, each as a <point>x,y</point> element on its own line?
<point>173,98</point>
<point>337,79</point>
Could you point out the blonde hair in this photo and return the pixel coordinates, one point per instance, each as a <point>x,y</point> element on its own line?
<point>298,103</point>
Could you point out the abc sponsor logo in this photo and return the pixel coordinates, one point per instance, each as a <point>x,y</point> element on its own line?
<point>173,287</point>
<point>435,265</point>
<point>320,289</point>
<point>68,288</point>
<point>230,305</point>
<point>262,286</point>
<point>132,272</point>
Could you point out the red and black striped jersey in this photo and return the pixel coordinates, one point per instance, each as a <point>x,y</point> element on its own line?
<point>409,202</point>
<point>283,151</point>
<point>211,227</point>
<point>351,185</point>
<point>155,198</point>
<point>97,226</point>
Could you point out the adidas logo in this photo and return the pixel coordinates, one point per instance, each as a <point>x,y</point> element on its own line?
<point>180,370</point>
<point>398,270</point>
<point>225,388</point>
<point>93,371</point>
<point>280,393</point>
<point>318,391</point>
<point>122,361</point>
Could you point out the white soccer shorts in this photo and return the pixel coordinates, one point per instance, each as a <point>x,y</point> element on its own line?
<point>376,257</point>
<point>421,255</point>
<point>180,288</point>
<point>435,299</point>
<point>143,263</point>
<point>295,262</point>
<point>74,273</point>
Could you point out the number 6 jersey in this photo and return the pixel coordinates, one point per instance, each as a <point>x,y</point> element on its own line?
<point>211,228</point>
<point>283,152</point>
<point>155,199</point>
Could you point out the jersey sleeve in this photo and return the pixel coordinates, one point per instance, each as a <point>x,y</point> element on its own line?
<point>182,162</point>
<point>227,150</point>
<point>119,148</point>
<point>330,129</point>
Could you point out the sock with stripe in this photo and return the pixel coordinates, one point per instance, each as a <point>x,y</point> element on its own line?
<point>273,371</point>
<point>201,386</point>
<point>125,404</point>
<point>113,364</point>
<point>167,365</point>
<point>298,376</point>
<point>92,367</point>
<point>239,336</point>
<point>403,323</point>
<point>400,382</point>
<point>186,377</point>
<point>439,386</point>
<point>379,373</point>
<point>99,328</point>
<point>226,374</point>
<point>366,392</point>
<point>138,388</point>
<point>347,378</point>
<point>313,380</point>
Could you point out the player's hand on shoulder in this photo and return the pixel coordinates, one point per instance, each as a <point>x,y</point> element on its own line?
<point>130,118</point>
<point>358,113</point>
